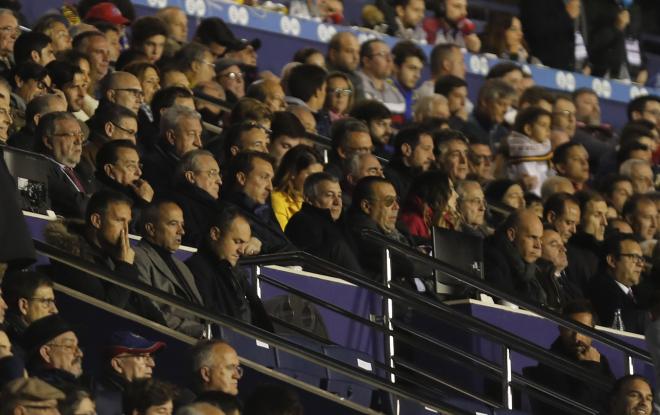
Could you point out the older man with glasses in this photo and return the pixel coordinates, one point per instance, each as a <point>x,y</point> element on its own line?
<point>129,357</point>
<point>122,88</point>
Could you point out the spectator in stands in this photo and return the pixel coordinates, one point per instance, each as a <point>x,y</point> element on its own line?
<point>308,86</point>
<point>552,271</point>
<point>512,74</point>
<point>617,189</point>
<point>408,16</point>
<point>129,358</point>
<point>114,35</point>
<point>249,184</point>
<point>81,60</point>
<point>207,408</point>
<point>26,394</point>
<point>270,92</point>
<point>228,404</point>
<point>104,242</point>
<point>286,132</point>
<point>510,256</point>
<point>587,107</point>
<point>339,95</point>
<point>375,207</point>
<point>215,367</point>
<point>176,23</point>
<point>297,164</point>
<point>231,78</point>
<point>96,47</point>
<point>122,88</point>
<point>224,287</point>
<point>356,167</point>
<point>197,182</point>
<point>11,366</point>
<point>645,107</point>
<point>446,59</point>
<point>250,109</point>
<point>571,160</point>
<point>61,139</point>
<point>529,149</point>
<point>378,119</point>
<point>30,297</point>
<point>26,138</point>
<point>349,136</point>
<point>248,135</point>
<point>376,66</point>
<point>430,201</point>
<point>111,122</point>
<point>413,155</point>
<point>556,184</point>
<point>640,174</point>
<point>211,113</point>
<point>55,27</point>
<point>555,20</point>
<point>506,193</point>
<point>480,162</point>
<point>503,37</point>
<point>486,124</point>
<point>52,351</point>
<point>180,132</point>
<point>305,116</point>
<point>451,154</point>
<point>641,213</point>
<point>78,400</point>
<point>315,228</point>
<point>613,288</point>
<point>310,55</point>
<point>471,206</point>
<point>173,77</point>
<point>576,347</point>
<point>456,92</point>
<point>33,47</point>
<point>162,231</point>
<point>585,247</point>
<point>630,393</point>
<point>7,39</point>
<point>148,35</point>
<point>409,60</point>
<point>275,399</point>
<point>344,56</point>
<point>562,212</point>
<point>196,62</point>
<point>69,79</point>
<point>452,26</point>
<point>536,96</point>
<point>431,108</point>
<point>149,77</point>
<point>564,123</point>
<point>149,396</point>
<point>30,80</point>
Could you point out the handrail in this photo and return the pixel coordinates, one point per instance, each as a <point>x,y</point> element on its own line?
<point>236,325</point>
<point>213,100</point>
<point>456,274</point>
<point>437,310</point>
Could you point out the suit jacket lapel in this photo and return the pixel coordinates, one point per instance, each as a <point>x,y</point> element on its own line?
<point>190,279</point>
<point>161,266</point>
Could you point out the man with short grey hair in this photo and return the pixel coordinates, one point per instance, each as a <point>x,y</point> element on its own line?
<point>180,132</point>
<point>472,206</point>
<point>358,166</point>
<point>640,173</point>
<point>556,184</point>
<point>486,124</point>
<point>39,106</point>
<point>428,107</point>
<point>215,367</point>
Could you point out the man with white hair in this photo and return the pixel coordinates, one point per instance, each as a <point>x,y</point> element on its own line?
<point>431,106</point>
<point>640,173</point>
<point>472,206</point>
<point>556,184</point>
<point>180,132</point>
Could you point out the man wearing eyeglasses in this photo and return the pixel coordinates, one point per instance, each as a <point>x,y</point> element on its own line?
<point>613,289</point>
<point>230,76</point>
<point>122,88</point>
<point>31,396</point>
<point>52,352</point>
<point>31,80</point>
<point>376,66</point>
<point>30,297</point>
<point>129,357</point>
<point>215,367</point>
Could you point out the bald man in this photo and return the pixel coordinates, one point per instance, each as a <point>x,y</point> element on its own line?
<point>216,367</point>
<point>510,256</point>
<point>123,88</point>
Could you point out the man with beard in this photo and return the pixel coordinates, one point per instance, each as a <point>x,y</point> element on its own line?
<point>576,347</point>
<point>379,120</point>
<point>413,155</point>
<point>631,394</point>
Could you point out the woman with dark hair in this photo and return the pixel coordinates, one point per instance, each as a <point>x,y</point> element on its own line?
<point>339,95</point>
<point>431,201</point>
<point>296,165</point>
<point>503,36</point>
<point>503,196</point>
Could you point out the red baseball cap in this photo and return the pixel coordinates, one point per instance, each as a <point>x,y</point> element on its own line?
<point>107,12</point>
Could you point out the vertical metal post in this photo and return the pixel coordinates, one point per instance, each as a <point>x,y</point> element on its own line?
<point>507,396</point>
<point>389,307</point>
<point>257,280</point>
<point>628,362</point>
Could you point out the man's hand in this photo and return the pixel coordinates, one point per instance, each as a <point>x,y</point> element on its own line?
<point>473,43</point>
<point>622,20</point>
<point>143,189</point>
<point>588,353</point>
<point>573,9</point>
<point>126,253</point>
<point>253,247</point>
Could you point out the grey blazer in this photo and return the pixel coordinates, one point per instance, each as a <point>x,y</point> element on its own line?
<point>155,272</point>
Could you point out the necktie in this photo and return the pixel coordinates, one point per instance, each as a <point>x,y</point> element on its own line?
<point>74,178</point>
<point>631,295</point>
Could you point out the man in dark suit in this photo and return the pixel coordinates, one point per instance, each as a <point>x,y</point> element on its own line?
<point>612,289</point>
<point>224,288</point>
<point>162,230</point>
<point>413,155</point>
<point>248,186</point>
<point>61,139</point>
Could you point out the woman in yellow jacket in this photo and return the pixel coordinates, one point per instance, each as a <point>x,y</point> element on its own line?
<point>296,165</point>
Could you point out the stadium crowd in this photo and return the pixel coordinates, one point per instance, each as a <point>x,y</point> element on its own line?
<point>183,140</point>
